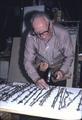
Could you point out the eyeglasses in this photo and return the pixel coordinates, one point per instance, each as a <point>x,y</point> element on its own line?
<point>41,34</point>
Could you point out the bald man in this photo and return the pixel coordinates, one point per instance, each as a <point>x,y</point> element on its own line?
<point>44,44</point>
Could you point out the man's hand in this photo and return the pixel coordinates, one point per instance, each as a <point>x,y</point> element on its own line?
<point>43,66</point>
<point>42,84</point>
<point>59,75</point>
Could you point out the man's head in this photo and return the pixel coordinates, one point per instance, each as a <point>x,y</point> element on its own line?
<point>42,26</point>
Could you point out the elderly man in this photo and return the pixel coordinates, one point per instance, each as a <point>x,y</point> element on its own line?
<point>49,50</point>
<point>48,47</point>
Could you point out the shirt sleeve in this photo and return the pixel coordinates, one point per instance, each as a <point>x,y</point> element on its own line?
<point>68,52</point>
<point>29,57</point>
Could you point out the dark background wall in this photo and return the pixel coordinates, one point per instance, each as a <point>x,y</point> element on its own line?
<point>11,15</point>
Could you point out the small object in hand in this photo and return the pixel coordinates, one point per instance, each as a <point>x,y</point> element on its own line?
<point>58,76</point>
<point>43,66</point>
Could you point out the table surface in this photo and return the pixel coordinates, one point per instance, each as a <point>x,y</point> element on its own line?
<point>56,102</point>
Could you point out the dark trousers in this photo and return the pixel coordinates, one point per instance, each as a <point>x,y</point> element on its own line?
<point>24,117</point>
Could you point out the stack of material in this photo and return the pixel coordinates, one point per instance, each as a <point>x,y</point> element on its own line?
<point>5,116</point>
<point>8,116</point>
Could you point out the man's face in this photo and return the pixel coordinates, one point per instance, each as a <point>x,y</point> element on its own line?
<point>42,28</point>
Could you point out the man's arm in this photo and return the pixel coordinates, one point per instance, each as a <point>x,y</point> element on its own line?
<point>68,53</point>
<point>29,58</point>
<point>65,47</point>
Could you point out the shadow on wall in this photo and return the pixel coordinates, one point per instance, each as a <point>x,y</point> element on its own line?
<point>28,27</point>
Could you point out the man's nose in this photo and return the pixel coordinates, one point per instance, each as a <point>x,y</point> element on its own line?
<point>44,37</point>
